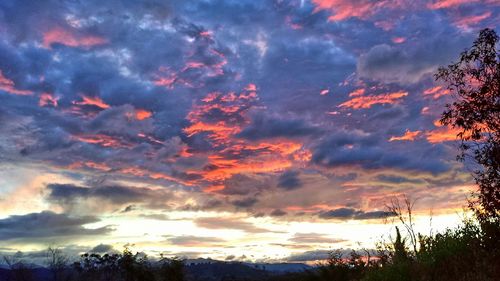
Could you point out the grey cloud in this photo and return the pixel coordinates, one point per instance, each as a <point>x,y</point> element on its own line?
<point>278,213</point>
<point>195,241</point>
<point>245,203</point>
<point>48,224</point>
<point>349,213</point>
<point>68,195</point>
<point>228,223</point>
<point>371,152</point>
<point>314,238</point>
<point>289,180</point>
<point>321,255</point>
<point>310,256</point>
<point>408,64</point>
<point>398,179</point>
<point>263,128</point>
<point>102,248</point>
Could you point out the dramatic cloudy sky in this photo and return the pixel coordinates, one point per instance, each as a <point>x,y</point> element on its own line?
<point>231,129</point>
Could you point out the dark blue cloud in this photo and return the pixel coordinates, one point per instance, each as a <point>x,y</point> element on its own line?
<point>289,180</point>
<point>372,152</point>
<point>67,195</point>
<point>47,224</point>
<point>349,213</point>
<point>263,128</point>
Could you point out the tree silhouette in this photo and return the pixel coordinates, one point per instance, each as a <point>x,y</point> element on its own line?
<point>56,262</point>
<point>475,82</point>
<point>172,269</point>
<point>19,270</point>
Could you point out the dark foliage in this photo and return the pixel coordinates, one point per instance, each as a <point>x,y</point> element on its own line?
<point>475,82</point>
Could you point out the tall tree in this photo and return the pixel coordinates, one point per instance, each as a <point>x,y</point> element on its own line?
<point>475,83</point>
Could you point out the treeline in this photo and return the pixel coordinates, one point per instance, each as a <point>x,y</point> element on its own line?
<point>470,252</point>
<point>124,266</point>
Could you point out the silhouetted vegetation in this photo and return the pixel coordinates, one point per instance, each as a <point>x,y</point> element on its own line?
<point>475,82</point>
<point>468,252</point>
<point>127,267</point>
<point>19,270</point>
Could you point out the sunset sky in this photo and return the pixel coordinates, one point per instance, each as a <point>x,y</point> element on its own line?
<point>260,130</point>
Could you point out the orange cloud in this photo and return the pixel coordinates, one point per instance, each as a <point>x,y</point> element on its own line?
<point>218,131</point>
<point>357,93</point>
<point>324,92</point>
<point>443,134</point>
<point>65,37</point>
<point>95,101</point>
<point>47,99</point>
<point>141,114</point>
<point>303,155</point>
<point>232,155</point>
<point>407,136</point>
<point>436,92</point>
<point>369,101</point>
<point>9,86</point>
<point>103,140</point>
<point>225,168</point>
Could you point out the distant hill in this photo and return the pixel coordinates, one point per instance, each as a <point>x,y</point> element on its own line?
<point>221,271</point>
<point>38,273</point>
<point>204,270</point>
<point>281,267</point>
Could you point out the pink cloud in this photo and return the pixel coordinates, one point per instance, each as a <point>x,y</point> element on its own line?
<point>9,86</point>
<point>47,99</point>
<point>398,40</point>
<point>407,136</point>
<point>363,9</point>
<point>251,87</point>
<point>95,101</point>
<point>467,21</point>
<point>443,4</point>
<point>67,38</point>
